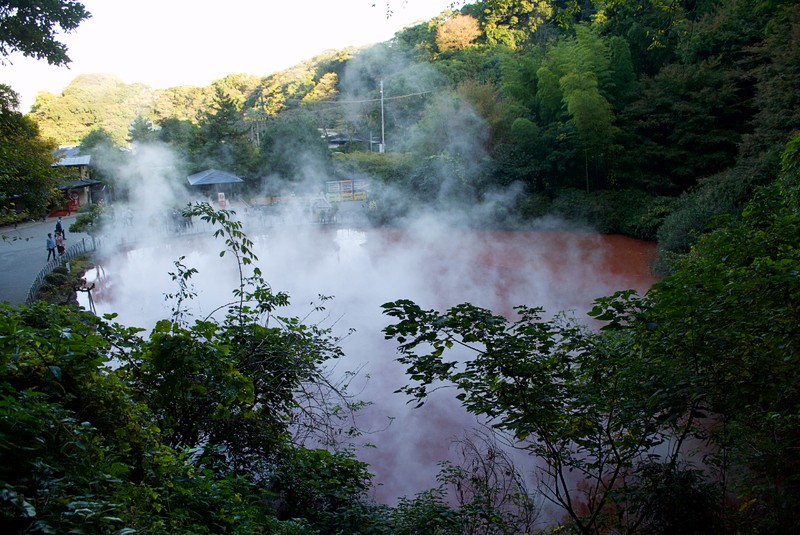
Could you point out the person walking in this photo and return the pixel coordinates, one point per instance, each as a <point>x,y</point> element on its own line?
<point>59,227</point>
<point>60,244</point>
<point>51,247</point>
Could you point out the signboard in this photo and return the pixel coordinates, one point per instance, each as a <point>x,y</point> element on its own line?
<point>73,202</point>
<point>346,190</point>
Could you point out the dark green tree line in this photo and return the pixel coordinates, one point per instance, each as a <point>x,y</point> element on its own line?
<point>678,102</point>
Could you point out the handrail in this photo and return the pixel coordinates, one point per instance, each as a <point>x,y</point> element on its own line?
<point>74,250</point>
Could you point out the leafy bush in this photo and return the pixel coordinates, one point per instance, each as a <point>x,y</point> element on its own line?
<point>698,211</point>
<point>533,206</point>
<point>59,285</point>
<point>630,212</point>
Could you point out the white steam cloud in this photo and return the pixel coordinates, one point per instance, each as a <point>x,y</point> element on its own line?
<point>430,262</point>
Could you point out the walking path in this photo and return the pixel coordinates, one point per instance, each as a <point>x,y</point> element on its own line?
<point>23,254</point>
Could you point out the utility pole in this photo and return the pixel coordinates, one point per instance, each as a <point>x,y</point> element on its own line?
<point>382,147</point>
<point>586,163</point>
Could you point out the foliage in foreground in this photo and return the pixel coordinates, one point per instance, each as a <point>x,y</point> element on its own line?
<point>681,415</point>
<point>198,427</point>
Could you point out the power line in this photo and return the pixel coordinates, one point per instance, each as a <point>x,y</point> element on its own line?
<point>371,99</point>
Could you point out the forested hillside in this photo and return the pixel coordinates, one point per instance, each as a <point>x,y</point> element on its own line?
<point>629,117</point>
<point>605,113</point>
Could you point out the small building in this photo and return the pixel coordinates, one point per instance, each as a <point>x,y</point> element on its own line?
<point>214,181</point>
<point>77,185</point>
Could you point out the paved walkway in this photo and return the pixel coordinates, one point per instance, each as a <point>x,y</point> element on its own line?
<point>23,254</point>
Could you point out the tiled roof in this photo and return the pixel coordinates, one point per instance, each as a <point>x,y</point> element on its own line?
<point>74,161</point>
<point>213,176</point>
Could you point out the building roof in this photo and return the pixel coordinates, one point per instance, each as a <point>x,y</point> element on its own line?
<point>74,161</point>
<point>70,157</point>
<point>212,176</point>
<point>75,184</point>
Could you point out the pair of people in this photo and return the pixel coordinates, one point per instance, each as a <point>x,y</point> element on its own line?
<point>57,243</point>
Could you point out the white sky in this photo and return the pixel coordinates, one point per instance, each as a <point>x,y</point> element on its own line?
<point>167,43</point>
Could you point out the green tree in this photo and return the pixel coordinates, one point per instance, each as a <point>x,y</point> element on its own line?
<point>186,431</point>
<point>728,320</point>
<point>223,138</point>
<point>91,101</point>
<point>777,100</point>
<point>418,40</point>
<point>27,177</point>
<point>141,131</point>
<point>97,140</point>
<point>32,28</point>
<point>185,103</point>
<point>238,87</point>
<point>222,119</point>
<point>107,159</point>
<point>325,488</point>
<point>509,22</point>
<point>293,148</point>
<point>237,383</point>
<point>68,428</point>
<point>575,92</point>
<point>80,452</point>
<point>591,113</point>
<point>179,133</point>
<point>687,124</point>
<point>652,28</point>
<point>585,404</point>
<point>90,219</point>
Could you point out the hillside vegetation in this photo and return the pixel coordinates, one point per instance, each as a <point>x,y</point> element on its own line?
<point>630,117</point>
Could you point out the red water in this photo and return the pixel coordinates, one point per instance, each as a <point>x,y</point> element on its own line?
<point>557,270</point>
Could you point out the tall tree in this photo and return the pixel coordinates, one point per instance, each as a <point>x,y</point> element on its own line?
<point>27,177</point>
<point>687,123</point>
<point>293,148</point>
<point>223,119</point>
<point>31,27</point>
<point>728,321</point>
<point>509,22</point>
<point>223,138</point>
<point>141,130</point>
<point>575,92</point>
<point>457,33</point>
<point>179,133</point>
<point>574,399</point>
<point>107,159</point>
